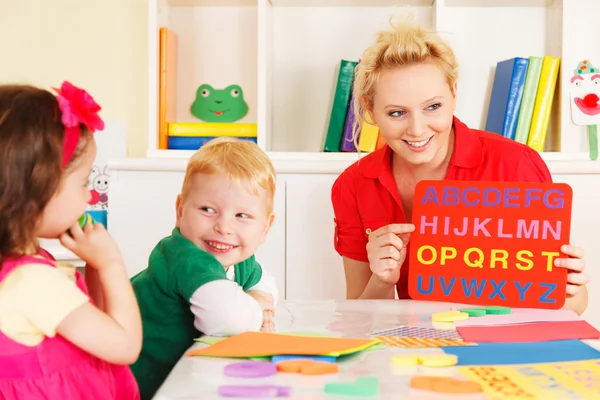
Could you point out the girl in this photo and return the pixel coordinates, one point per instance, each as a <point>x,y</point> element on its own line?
<point>57,341</point>
<point>407,83</point>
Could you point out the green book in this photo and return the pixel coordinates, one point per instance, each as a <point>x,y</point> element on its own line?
<point>529,92</point>
<point>340,105</point>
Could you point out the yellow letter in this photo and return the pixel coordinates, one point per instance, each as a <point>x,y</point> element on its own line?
<point>550,255</point>
<point>528,263</point>
<point>448,253</point>
<point>476,263</point>
<point>496,257</point>
<point>420,254</point>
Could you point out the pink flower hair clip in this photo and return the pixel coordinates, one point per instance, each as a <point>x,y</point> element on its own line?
<point>77,107</point>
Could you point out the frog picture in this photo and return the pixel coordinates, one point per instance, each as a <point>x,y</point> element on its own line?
<point>219,105</point>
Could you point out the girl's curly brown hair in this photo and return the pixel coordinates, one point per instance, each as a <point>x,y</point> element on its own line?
<point>31,146</point>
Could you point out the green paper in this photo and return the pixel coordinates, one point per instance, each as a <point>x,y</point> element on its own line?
<point>593,141</point>
<point>219,105</point>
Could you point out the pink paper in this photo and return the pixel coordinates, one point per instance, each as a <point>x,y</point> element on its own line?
<point>521,316</point>
<point>536,332</point>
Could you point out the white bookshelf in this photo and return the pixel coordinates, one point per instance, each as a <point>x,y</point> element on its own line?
<point>285,54</point>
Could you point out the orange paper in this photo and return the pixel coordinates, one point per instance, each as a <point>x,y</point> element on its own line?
<point>254,344</point>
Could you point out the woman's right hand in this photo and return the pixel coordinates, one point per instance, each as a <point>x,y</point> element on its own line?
<point>386,251</point>
<point>93,244</point>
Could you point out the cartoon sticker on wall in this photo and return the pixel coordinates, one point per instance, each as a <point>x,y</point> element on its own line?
<point>585,102</point>
<point>219,105</point>
<point>98,184</point>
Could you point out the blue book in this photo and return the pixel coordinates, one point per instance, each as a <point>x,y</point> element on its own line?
<point>507,93</point>
<point>194,142</point>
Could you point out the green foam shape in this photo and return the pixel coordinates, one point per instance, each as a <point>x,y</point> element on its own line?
<point>474,312</point>
<point>498,310</point>
<point>363,386</point>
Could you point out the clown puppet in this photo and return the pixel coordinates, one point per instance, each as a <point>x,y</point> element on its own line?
<point>585,101</point>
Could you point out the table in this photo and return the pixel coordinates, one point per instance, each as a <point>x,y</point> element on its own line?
<point>200,377</point>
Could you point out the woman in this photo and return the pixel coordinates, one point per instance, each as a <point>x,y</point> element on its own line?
<point>407,82</point>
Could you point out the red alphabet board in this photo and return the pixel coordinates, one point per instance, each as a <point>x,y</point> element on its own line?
<point>490,243</point>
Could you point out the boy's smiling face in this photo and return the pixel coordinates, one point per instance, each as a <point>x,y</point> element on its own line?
<point>223,217</point>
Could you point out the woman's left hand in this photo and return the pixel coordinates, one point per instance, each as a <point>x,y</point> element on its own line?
<point>575,266</point>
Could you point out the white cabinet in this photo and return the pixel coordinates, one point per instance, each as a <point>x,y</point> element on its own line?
<point>313,268</point>
<point>299,250</point>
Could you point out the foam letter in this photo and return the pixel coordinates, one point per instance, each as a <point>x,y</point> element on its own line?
<point>497,289</point>
<point>544,297</point>
<point>528,263</point>
<point>420,254</point>
<point>478,262</point>
<point>522,290</point>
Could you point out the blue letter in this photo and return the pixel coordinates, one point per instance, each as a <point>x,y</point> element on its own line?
<point>557,203</point>
<point>450,196</point>
<point>422,291</point>
<point>510,195</point>
<point>486,197</point>
<point>529,196</point>
<point>430,195</point>
<point>522,290</point>
<point>473,283</point>
<point>498,289</point>
<point>544,298</point>
<point>447,289</point>
<point>464,196</point>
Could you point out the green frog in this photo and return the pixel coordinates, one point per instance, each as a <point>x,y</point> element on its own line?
<point>219,105</point>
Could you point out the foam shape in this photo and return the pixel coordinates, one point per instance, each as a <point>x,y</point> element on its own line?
<point>250,369</point>
<point>362,386</point>
<point>307,367</point>
<point>449,316</point>
<point>438,360</point>
<point>261,391</point>
<point>474,312</point>
<point>498,310</point>
<point>404,360</point>
<point>445,385</point>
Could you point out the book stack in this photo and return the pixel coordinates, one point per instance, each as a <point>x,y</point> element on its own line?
<point>178,135</point>
<point>521,99</point>
<point>339,137</point>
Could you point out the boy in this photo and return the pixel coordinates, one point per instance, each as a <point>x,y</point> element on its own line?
<point>203,279</point>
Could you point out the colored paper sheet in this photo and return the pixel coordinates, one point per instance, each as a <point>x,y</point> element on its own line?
<point>523,353</point>
<point>418,332</point>
<point>251,344</point>
<point>534,332</point>
<point>416,342</point>
<point>520,316</point>
<point>577,380</point>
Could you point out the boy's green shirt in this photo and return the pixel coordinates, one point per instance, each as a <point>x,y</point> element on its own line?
<point>176,268</point>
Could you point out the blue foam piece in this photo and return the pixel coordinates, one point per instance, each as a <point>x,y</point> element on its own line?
<point>276,359</point>
<point>523,353</point>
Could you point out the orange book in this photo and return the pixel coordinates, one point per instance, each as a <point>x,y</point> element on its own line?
<point>167,84</point>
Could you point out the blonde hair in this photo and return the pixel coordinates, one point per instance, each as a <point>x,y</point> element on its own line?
<point>401,45</point>
<point>239,159</point>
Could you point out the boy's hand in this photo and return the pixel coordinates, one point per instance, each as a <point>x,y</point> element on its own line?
<point>265,300</point>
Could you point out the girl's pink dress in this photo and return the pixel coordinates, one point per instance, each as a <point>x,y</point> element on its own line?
<point>55,368</point>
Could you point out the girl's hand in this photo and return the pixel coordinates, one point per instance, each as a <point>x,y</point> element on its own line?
<point>575,266</point>
<point>93,245</point>
<point>386,250</point>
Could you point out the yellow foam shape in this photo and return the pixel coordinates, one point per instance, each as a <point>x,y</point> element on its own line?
<point>438,360</point>
<point>449,316</point>
<point>404,360</point>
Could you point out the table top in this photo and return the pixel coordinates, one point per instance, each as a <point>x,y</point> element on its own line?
<point>200,377</point>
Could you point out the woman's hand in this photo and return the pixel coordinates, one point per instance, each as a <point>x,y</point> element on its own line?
<point>386,250</point>
<point>575,266</point>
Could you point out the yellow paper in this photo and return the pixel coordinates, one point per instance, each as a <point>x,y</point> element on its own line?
<point>544,381</point>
